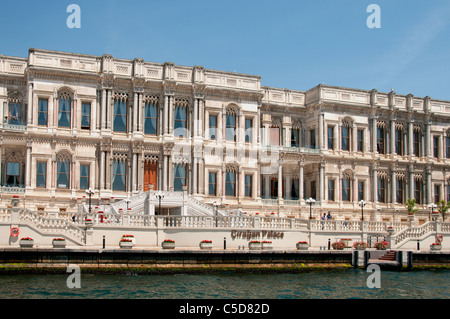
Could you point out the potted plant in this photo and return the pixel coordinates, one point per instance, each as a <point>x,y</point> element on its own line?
<point>382,245</point>
<point>254,245</point>
<point>126,243</point>
<point>338,245</point>
<point>360,245</point>
<point>266,245</point>
<point>206,244</point>
<point>443,207</point>
<point>436,246</point>
<point>59,243</point>
<point>168,244</point>
<point>302,245</point>
<point>89,222</point>
<point>130,237</point>
<point>411,206</point>
<point>390,230</point>
<point>26,242</point>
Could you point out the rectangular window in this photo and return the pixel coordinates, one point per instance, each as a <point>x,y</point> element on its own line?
<point>12,174</point>
<point>295,137</point>
<point>360,142</point>
<point>41,174</point>
<point>381,190</point>
<point>331,189</point>
<point>435,146</point>
<point>274,136</point>
<point>86,116</point>
<point>150,118</point>
<point>42,112</point>
<point>120,116</point>
<point>437,194</point>
<point>330,137</point>
<point>179,177</point>
<point>248,130</point>
<point>380,140</point>
<point>230,130</point>
<point>313,190</point>
<point>360,190</point>
<point>15,112</point>
<point>400,189</point>
<point>418,191</point>
<point>416,143</point>
<point>312,136</point>
<point>64,112</point>
<point>447,144</point>
<point>230,184</point>
<point>63,174</point>
<point>119,176</point>
<point>84,176</point>
<point>399,142</point>
<point>346,189</point>
<point>212,184</point>
<point>448,192</point>
<point>248,185</point>
<point>294,189</point>
<point>345,138</point>
<point>180,121</point>
<point>212,126</point>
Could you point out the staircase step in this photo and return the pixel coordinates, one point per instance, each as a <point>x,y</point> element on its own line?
<point>390,255</point>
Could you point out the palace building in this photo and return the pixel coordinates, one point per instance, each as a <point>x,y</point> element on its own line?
<point>121,127</point>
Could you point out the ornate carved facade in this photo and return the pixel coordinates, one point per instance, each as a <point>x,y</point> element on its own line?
<point>74,121</point>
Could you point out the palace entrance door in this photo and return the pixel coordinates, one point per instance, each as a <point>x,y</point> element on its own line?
<point>150,175</point>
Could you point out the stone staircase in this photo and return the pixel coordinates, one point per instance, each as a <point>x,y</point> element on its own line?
<point>389,256</point>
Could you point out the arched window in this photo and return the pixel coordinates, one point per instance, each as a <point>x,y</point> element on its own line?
<point>120,112</point>
<point>64,110</point>
<point>230,130</point>
<point>230,181</point>
<point>151,116</point>
<point>346,186</point>
<point>63,161</point>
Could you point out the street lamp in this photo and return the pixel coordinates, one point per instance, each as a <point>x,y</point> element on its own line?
<point>128,201</point>
<point>310,201</point>
<point>432,206</point>
<point>362,203</point>
<point>90,192</point>
<point>216,205</point>
<point>160,196</point>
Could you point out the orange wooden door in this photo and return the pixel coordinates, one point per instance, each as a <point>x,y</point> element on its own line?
<point>150,175</point>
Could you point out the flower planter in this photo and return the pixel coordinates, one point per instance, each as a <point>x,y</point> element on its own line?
<point>168,245</point>
<point>360,245</point>
<point>126,244</point>
<point>26,243</point>
<point>266,245</point>
<point>206,245</point>
<point>381,245</point>
<point>435,247</point>
<point>130,238</point>
<point>58,243</point>
<point>254,245</point>
<point>338,245</point>
<point>302,246</point>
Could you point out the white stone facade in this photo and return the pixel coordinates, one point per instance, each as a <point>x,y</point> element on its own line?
<point>74,121</point>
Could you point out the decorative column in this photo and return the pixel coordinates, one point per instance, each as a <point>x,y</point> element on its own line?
<point>109,112</point>
<point>166,115</point>
<point>280,182</point>
<point>300,183</point>
<point>28,166</point>
<point>134,173</point>
<point>135,115</point>
<point>411,181</point>
<point>393,135</point>
<point>428,141</point>
<point>102,170</point>
<point>103,112</point>
<point>375,184</point>
<point>321,181</point>
<point>374,134</point>
<point>393,186</point>
<point>428,186</point>
<point>410,137</point>
<point>30,104</point>
<point>195,126</point>
<point>321,135</point>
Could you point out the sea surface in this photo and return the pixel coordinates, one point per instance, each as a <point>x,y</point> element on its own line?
<point>329,284</point>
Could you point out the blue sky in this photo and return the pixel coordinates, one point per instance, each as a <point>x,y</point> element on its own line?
<point>290,44</point>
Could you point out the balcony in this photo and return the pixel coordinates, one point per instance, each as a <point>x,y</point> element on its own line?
<point>14,124</point>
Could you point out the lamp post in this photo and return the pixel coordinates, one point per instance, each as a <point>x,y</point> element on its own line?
<point>310,201</point>
<point>362,203</point>
<point>128,201</point>
<point>432,206</point>
<point>90,192</point>
<point>160,196</point>
<point>216,205</point>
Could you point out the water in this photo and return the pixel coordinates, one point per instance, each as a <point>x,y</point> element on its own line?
<point>336,284</point>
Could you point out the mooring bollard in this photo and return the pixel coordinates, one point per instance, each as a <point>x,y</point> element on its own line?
<point>224,243</point>
<point>104,241</point>
<point>418,245</point>
<point>329,243</point>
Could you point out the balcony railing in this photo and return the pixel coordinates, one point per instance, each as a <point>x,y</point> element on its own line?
<point>14,124</point>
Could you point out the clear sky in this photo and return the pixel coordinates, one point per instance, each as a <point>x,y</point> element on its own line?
<point>290,44</point>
